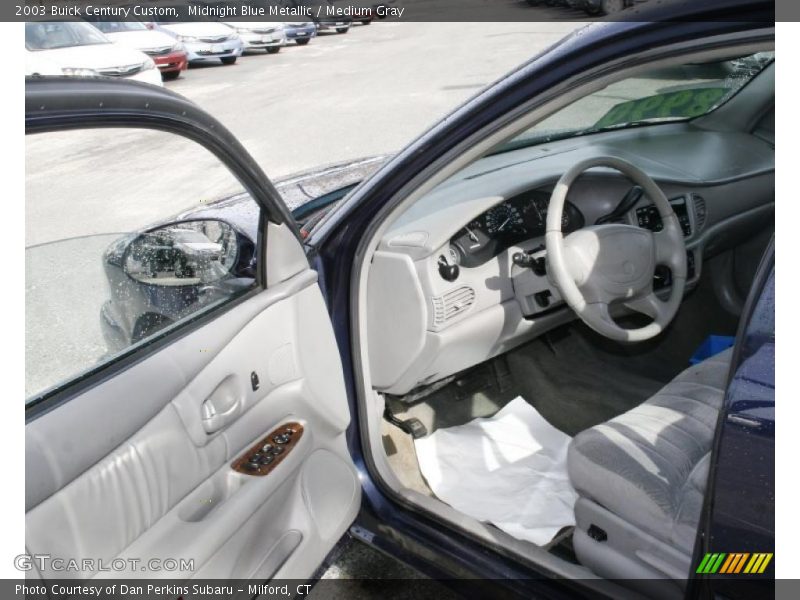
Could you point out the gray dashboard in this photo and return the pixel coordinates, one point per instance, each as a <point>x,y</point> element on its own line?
<point>725,181</point>
<point>678,157</point>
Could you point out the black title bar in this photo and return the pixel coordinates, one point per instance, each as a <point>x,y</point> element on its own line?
<point>398,10</point>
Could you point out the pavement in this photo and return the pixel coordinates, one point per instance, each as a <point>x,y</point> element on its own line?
<point>359,572</point>
<point>367,92</point>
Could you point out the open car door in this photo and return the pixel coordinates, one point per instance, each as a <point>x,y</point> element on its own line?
<point>186,407</point>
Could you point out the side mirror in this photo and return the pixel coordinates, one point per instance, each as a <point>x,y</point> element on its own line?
<point>193,252</point>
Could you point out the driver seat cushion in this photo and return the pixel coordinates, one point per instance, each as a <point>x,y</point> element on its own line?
<point>649,466</point>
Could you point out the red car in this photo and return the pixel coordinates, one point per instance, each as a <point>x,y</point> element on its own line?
<point>170,62</point>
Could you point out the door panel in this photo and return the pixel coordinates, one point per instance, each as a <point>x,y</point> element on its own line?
<point>127,470</point>
<point>158,358</point>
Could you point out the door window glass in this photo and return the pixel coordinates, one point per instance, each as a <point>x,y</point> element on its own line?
<point>129,233</point>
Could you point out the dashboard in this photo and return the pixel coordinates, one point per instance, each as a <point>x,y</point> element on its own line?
<point>461,275</point>
<point>517,219</point>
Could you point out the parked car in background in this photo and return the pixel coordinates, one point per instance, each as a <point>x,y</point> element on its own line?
<point>205,41</point>
<point>366,8</point>
<point>381,9</point>
<point>168,54</point>
<point>592,7</point>
<point>319,10</point>
<point>340,25</point>
<point>301,33</point>
<point>40,66</point>
<point>78,49</point>
<point>266,35</point>
<point>604,7</point>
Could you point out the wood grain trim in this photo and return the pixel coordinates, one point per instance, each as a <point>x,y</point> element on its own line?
<point>294,430</point>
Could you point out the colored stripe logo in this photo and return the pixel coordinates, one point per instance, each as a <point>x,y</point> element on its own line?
<point>734,563</point>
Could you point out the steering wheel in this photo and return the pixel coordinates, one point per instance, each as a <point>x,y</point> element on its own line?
<point>604,264</point>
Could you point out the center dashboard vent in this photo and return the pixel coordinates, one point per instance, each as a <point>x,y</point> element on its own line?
<point>699,211</point>
<point>452,303</point>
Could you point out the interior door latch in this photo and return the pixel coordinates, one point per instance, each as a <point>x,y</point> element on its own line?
<point>222,407</point>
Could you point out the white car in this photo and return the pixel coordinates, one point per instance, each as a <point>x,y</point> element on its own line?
<point>36,64</point>
<point>78,49</point>
<point>205,40</point>
<point>264,35</point>
<point>168,53</point>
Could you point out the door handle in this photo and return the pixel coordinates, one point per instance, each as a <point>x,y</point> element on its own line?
<point>222,407</point>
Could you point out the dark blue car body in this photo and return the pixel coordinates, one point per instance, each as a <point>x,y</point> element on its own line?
<point>300,31</point>
<point>740,507</point>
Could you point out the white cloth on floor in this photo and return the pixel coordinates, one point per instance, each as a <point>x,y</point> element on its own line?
<point>509,470</point>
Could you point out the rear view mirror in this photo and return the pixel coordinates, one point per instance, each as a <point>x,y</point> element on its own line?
<point>183,253</point>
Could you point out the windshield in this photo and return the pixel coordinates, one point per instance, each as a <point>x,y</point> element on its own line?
<point>662,95</point>
<point>50,35</point>
<point>119,26</point>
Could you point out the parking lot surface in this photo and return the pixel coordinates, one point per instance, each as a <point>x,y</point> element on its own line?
<point>366,92</point>
<point>363,573</point>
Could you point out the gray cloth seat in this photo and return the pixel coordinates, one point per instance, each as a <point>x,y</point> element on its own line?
<point>641,478</point>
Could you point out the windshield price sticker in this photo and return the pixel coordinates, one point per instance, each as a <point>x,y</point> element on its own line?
<point>680,104</point>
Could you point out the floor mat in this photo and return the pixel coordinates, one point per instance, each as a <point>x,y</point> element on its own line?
<point>509,470</point>
<point>577,386</point>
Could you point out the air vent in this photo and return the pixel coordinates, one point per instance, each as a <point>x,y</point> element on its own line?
<point>451,304</point>
<point>699,211</point>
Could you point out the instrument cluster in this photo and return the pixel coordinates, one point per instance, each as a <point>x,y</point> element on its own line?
<point>517,219</point>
